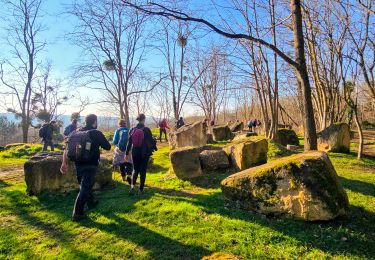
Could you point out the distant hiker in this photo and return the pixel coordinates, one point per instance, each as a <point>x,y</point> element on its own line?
<point>142,144</point>
<point>46,133</point>
<point>120,139</point>
<point>83,149</point>
<point>163,126</point>
<point>250,124</point>
<point>71,128</point>
<point>180,123</point>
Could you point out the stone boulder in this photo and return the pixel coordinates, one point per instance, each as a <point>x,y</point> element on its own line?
<point>222,133</point>
<point>214,160</point>
<point>286,136</point>
<point>189,135</point>
<point>303,186</point>
<point>42,173</point>
<point>247,152</point>
<point>185,162</point>
<point>241,135</point>
<point>335,138</point>
<point>237,127</point>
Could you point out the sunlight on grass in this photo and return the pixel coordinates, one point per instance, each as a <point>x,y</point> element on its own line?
<point>178,219</point>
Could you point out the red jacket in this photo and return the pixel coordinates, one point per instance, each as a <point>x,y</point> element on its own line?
<point>163,124</point>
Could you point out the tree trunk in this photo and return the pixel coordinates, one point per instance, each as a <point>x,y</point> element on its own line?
<point>360,133</point>
<point>303,78</point>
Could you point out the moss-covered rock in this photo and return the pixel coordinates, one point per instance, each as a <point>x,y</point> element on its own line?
<point>194,135</point>
<point>185,162</point>
<point>242,135</point>
<point>247,152</point>
<point>303,186</point>
<point>237,127</point>
<point>286,136</point>
<point>222,133</point>
<point>214,160</point>
<point>42,173</point>
<point>335,138</point>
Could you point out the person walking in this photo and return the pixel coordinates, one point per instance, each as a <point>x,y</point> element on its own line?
<point>141,144</point>
<point>83,149</point>
<point>46,133</point>
<point>71,128</point>
<point>180,123</point>
<point>120,139</point>
<point>163,126</point>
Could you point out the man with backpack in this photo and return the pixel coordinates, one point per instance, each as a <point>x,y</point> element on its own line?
<point>180,123</point>
<point>163,126</point>
<point>46,133</point>
<point>83,149</point>
<point>142,144</point>
<point>71,128</point>
<point>120,139</point>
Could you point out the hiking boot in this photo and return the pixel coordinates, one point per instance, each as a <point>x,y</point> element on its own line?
<point>129,179</point>
<point>78,218</point>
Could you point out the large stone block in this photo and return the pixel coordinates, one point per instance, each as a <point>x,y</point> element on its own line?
<point>214,160</point>
<point>194,135</point>
<point>247,152</point>
<point>185,162</point>
<point>237,127</point>
<point>42,173</point>
<point>286,136</point>
<point>222,133</point>
<point>303,186</point>
<point>335,138</point>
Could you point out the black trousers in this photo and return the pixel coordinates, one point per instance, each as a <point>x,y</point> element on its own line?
<point>126,168</point>
<point>48,143</point>
<point>86,179</point>
<point>163,131</point>
<point>140,162</point>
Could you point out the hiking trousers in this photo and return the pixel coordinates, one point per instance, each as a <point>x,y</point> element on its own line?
<point>48,143</point>
<point>86,179</point>
<point>140,162</point>
<point>163,131</point>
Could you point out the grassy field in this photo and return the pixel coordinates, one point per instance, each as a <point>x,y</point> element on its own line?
<point>176,219</point>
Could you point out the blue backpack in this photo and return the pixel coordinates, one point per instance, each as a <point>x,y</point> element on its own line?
<point>123,139</point>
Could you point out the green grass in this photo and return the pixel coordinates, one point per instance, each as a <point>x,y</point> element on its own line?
<point>17,155</point>
<point>177,219</point>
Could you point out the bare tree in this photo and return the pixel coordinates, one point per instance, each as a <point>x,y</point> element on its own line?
<point>17,73</point>
<point>298,63</point>
<point>113,40</point>
<point>210,89</point>
<point>48,95</point>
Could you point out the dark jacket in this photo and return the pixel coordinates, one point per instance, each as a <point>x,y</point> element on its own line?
<point>48,132</point>
<point>180,123</point>
<point>98,140</point>
<point>149,143</point>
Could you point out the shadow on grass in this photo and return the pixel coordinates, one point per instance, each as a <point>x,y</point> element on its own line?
<point>358,228</point>
<point>3,184</point>
<point>364,188</point>
<point>157,245</point>
<point>212,179</point>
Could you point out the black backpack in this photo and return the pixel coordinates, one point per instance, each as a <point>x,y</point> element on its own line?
<point>43,131</point>
<point>80,147</point>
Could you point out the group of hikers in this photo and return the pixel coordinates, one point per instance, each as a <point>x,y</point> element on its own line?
<point>134,148</point>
